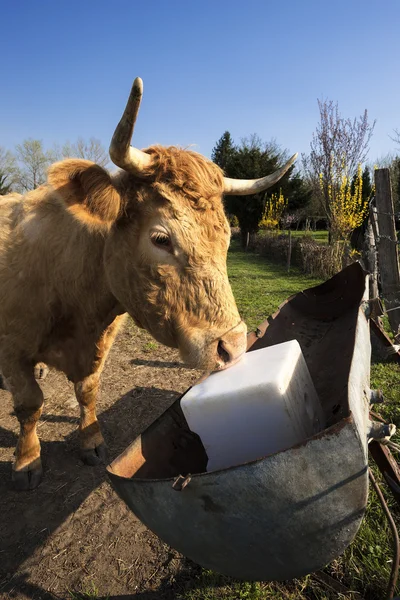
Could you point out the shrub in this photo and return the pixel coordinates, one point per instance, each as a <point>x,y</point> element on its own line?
<point>233,221</point>
<point>267,223</point>
<point>273,211</point>
<point>313,258</point>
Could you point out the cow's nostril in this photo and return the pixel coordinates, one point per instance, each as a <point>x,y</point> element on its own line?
<point>223,353</point>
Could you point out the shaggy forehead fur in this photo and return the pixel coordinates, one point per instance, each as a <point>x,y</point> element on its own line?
<point>190,177</point>
<point>187,189</point>
<point>191,173</point>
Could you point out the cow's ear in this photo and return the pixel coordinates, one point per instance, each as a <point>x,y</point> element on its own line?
<point>87,190</point>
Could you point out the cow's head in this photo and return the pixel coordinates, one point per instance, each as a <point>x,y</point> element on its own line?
<point>167,239</point>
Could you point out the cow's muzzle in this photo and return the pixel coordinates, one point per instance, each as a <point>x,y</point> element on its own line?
<point>231,346</point>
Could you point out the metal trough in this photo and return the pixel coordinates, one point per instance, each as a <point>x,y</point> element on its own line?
<point>289,513</point>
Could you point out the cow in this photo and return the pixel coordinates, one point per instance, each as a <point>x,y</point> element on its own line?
<point>80,252</point>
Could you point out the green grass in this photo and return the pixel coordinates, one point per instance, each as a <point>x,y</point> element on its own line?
<point>150,346</point>
<point>259,287</point>
<point>320,235</point>
<point>91,593</point>
<point>386,375</point>
<point>211,586</point>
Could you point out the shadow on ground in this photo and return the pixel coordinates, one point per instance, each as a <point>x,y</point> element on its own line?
<point>38,527</point>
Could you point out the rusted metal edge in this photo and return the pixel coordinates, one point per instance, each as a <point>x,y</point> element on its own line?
<point>338,587</point>
<point>380,453</point>
<point>390,470</point>
<point>335,585</point>
<point>396,546</point>
<point>388,466</point>
<point>254,336</point>
<point>112,469</point>
<point>383,338</point>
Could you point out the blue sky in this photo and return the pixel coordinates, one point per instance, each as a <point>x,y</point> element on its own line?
<point>207,66</point>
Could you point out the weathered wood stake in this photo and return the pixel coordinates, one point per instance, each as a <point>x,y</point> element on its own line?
<point>289,255</point>
<point>370,257</point>
<point>388,258</point>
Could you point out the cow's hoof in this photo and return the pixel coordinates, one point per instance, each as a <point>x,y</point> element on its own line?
<point>95,456</point>
<point>41,371</point>
<point>27,480</point>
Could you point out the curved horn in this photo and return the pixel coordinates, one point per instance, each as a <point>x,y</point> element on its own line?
<point>245,187</point>
<point>121,152</point>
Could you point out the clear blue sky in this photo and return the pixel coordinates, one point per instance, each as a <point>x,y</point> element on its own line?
<point>254,66</point>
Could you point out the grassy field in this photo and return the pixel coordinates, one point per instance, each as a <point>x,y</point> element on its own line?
<point>259,287</point>
<point>320,236</point>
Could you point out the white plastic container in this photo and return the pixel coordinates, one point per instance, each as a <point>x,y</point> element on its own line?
<point>265,403</point>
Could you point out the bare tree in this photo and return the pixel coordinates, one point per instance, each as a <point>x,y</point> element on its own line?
<point>8,170</point>
<point>33,162</point>
<point>90,150</point>
<point>5,187</point>
<point>382,162</point>
<point>396,138</point>
<point>29,167</point>
<point>338,146</point>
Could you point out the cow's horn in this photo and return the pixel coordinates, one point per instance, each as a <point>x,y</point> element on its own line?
<point>121,152</point>
<point>244,187</point>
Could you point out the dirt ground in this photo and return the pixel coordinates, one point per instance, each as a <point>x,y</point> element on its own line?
<point>73,534</point>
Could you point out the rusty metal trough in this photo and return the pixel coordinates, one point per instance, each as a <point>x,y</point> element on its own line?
<point>289,513</point>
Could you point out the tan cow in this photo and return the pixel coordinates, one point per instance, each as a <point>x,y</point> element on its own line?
<point>78,253</point>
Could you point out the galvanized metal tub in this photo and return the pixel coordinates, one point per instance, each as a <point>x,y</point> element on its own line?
<point>289,513</point>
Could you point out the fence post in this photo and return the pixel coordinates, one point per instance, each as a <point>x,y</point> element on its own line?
<point>388,258</point>
<point>369,253</point>
<point>289,255</point>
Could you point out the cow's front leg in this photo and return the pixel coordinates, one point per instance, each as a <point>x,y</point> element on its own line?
<point>28,401</point>
<point>93,448</point>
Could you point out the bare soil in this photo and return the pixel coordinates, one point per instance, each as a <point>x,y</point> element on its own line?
<point>73,535</point>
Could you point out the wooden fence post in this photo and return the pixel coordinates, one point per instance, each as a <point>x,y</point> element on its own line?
<point>388,258</point>
<point>289,254</point>
<point>370,257</point>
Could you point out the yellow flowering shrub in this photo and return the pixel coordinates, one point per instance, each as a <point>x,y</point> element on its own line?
<point>273,211</point>
<point>348,209</point>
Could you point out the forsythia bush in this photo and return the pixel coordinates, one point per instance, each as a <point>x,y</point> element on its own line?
<point>273,212</point>
<point>348,208</point>
<point>233,221</point>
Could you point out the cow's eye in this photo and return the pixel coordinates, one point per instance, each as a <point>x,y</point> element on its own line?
<point>162,240</point>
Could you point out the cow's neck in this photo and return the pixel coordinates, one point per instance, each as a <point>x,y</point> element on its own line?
<point>73,256</point>
<point>91,292</point>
